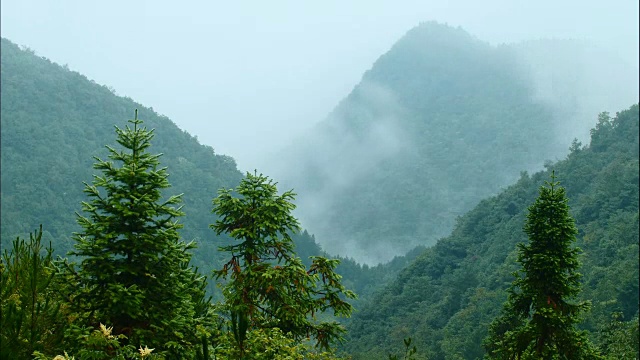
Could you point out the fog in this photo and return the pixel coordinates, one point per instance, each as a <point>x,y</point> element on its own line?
<point>247,77</point>
<point>329,161</point>
<point>574,79</point>
<point>251,78</point>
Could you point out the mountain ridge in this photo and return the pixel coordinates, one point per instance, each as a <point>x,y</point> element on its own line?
<point>54,121</point>
<point>445,299</point>
<point>438,94</point>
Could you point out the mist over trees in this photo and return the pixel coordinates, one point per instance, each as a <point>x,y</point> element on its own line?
<point>431,163</point>
<point>83,115</point>
<point>446,299</point>
<point>443,300</point>
<point>439,122</point>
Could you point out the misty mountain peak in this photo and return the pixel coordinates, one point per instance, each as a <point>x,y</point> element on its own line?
<point>439,122</point>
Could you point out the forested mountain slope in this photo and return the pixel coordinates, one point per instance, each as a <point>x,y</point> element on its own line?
<point>447,297</point>
<point>55,120</point>
<point>441,121</point>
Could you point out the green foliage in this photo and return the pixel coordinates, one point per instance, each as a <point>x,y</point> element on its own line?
<point>30,307</point>
<point>46,106</point>
<point>619,339</point>
<point>408,352</point>
<point>134,271</point>
<point>447,297</point>
<point>100,344</point>
<point>268,286</point>
<point>539,319</point>
<point>268,344</point>
<point>55,120</point>
<point>363,279</point>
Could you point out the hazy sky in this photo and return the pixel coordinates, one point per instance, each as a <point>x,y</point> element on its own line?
<point>247,76</point>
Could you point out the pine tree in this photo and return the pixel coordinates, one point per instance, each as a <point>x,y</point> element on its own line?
<point>539,318</point>
<point>30,308</point>
<point>268,286</point>
<point>134,273</point>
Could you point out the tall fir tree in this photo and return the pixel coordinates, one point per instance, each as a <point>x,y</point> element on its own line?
<point>134,273</point>
<point>268,286</point>
<point>539,319</point>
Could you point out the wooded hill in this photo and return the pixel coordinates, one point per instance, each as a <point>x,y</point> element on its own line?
<point>441,121</point>
<point>447,297</point>
<point>54,121</point>
<point>459,101</point>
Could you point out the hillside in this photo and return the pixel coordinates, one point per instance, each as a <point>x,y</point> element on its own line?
<point>447,297</point>
<point>441,121</point>
<point>54,121</point>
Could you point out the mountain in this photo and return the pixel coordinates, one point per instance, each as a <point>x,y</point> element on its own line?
<point>54,121</point>
<point>447,297</point>
<point>441,121</point>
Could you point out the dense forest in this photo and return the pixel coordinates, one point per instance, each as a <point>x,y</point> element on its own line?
<point>440,123</point>
<point>54,121</point>
<point>133,273</point>
<point>447,297</point>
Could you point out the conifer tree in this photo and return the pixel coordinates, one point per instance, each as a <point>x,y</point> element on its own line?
<point>134,273</point>
<point>30,315</point>
<point>268,286</point>
<point>539,318</point>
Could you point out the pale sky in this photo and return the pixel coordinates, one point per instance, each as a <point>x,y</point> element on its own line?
<point>246,77</point>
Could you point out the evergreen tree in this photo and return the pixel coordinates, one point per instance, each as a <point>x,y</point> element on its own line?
<point>134,273</point>
<point>31,318</point>
<point>539,318</point>
<point>268,285</point>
